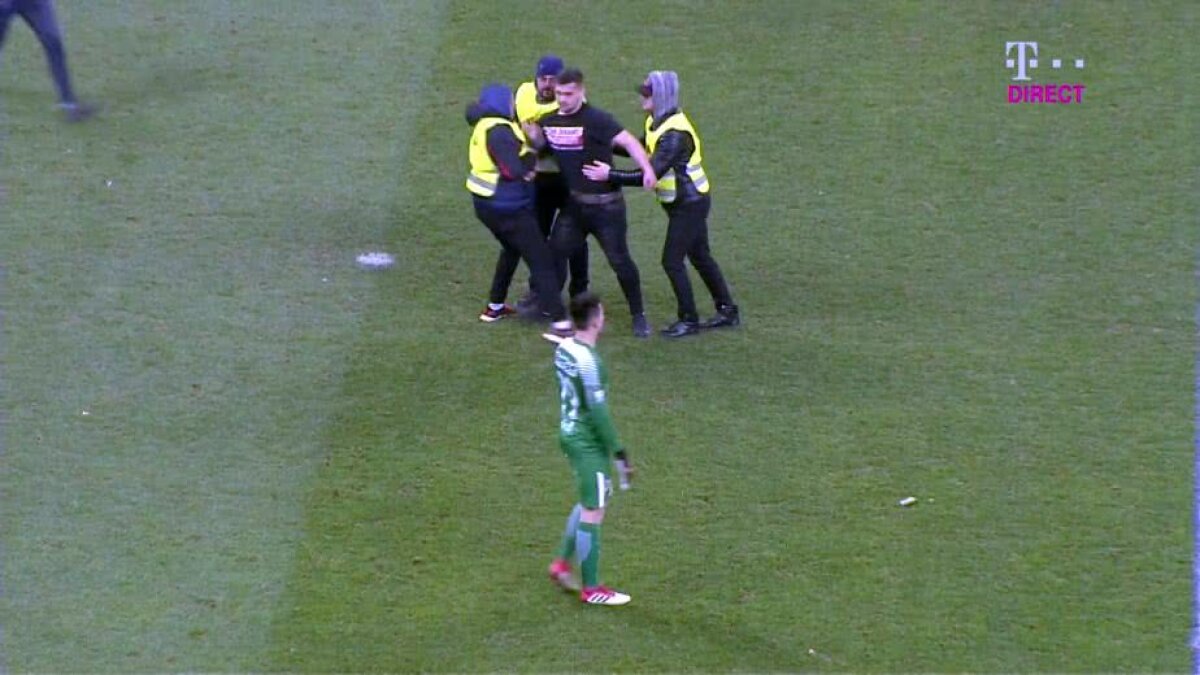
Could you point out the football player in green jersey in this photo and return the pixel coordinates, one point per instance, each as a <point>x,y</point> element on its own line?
<point>589,440</point>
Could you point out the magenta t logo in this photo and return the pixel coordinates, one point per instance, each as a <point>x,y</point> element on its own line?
<point>1021,61</point>
<point>1026,61</point>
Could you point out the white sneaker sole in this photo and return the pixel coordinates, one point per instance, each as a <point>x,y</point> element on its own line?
<point>614,600</point>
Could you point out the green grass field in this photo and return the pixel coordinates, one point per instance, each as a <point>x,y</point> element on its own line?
<point>227,448</point>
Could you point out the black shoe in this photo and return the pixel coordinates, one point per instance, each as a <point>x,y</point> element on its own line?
<point>641,327</point>
<point>78,112</point>
<point>529,308</point>
<point>557,335</point>
<point>681,328</point>
<point>727,317</point>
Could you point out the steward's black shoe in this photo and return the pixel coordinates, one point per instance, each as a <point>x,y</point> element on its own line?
<point>641,327</point>
<point>528,307</point>
<point>681,328</point>
<point>727,317</point>
<point>557,335</point>
<point>77,112</point>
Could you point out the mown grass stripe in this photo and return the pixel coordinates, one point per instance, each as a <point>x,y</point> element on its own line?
<point>199,309</point>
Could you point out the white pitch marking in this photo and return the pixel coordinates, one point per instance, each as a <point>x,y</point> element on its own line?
<point>376,260</point>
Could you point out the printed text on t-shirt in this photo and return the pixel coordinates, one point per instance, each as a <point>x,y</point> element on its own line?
<point>565,138</point>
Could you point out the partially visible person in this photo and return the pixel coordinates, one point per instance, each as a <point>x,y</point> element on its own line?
<point>535,100</point>
<point>589,440</point>
<point>577,134</point>
<point>42,19</point>
<point>499,181</point>
<point>684,191</point>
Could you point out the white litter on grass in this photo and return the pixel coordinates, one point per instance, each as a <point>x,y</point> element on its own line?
<point>824,657</point>
<point>85,413</point>
<point>375,260</point>
<point>908,501</point>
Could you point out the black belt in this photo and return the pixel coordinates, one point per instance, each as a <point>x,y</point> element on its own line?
<point>596,198</point>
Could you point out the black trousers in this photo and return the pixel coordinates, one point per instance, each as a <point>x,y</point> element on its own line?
<point>40,16</point>
<point>520,238</point>
<point>608,224</point>
<point>687,238</point>
<point>550,202</point>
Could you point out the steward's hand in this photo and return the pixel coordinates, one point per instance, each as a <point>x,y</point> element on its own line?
<point>597,171</point>
<point>648,181</point>
<point>533,132</point>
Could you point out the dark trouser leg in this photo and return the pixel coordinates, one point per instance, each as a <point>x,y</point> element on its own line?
<point>519,237</point>
<point>607,223</point>
<point>506,267</point>
<point>526,237</point>
<point>509,258</point>
<point>578,263</point>
<point>681,234</point>
<point>547,202</point>
<point>706,266</point>
<point>567,237</point>
<point>6,13</point>
<point>552,199</point>
<point>40,17</point>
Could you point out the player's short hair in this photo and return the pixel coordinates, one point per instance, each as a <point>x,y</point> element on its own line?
<point>571,76</point>
<point>583,307</point>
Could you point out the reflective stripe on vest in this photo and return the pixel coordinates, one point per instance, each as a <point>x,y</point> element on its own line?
<point>484,174</point>
<point>665,188</point>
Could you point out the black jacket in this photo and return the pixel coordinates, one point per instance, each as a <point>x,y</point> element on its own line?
<point>672,151</point>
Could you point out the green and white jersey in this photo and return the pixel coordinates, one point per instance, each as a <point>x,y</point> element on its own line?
<point>582,393</point>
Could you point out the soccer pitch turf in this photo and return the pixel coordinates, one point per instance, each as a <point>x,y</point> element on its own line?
<point>228,448</point>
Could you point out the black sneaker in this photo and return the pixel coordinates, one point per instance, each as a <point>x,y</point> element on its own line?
<point>641,327</point>
<point>557,335</point>
<point>681,328</point>
<point>77,112</point>
<point>528,307</point>
<point>727,317</point>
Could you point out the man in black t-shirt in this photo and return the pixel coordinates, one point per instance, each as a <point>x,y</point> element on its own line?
<point>580,134</point>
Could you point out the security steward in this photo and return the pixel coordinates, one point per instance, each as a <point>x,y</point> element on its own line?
<point>683,189</point>
<point>535,100</point>
<point>499,182</point>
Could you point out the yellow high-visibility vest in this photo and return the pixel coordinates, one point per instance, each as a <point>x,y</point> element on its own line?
<point>665,188</point>
<point>484,174</point>
<point>530,109</point>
